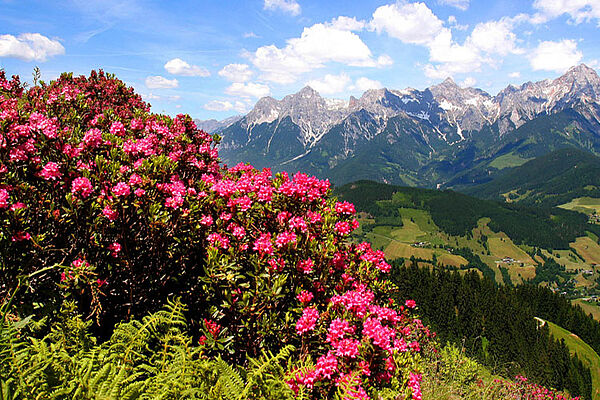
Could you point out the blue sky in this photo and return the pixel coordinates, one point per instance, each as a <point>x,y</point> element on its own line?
<point>215,58</point>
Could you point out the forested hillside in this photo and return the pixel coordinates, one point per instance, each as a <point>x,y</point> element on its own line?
<point>550,180</point>
<point>458,214</point>
<point>497,325</point>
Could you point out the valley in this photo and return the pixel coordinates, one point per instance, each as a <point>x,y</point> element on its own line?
<point>411,233</point>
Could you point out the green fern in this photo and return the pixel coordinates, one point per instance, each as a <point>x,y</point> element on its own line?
<point>149,359</point>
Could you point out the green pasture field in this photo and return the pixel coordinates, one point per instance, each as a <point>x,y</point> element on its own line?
<point>586,205</point>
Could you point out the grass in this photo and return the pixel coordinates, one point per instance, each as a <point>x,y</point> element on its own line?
<point>502,247</point>
<point>592,308</point>
<point>508,160</point>
<point>588,249</point>
<point>396,249</point>
<point>586,205</point>
<point>418,227</point>
<point>585,353</point>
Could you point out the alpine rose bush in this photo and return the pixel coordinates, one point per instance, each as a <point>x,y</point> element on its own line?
<point>121,208</point>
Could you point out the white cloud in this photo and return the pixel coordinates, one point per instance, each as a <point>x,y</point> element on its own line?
<point>159,82</point>
<point>415,23</point>
<point>250,35</point>
<point>347,24</point>
<point>460,4</point>
<point>578,10</point>
<point>468,82</point>
<point>152,96</point>
<point>241,107</point>
<point>443,49</point>
<point>318,44</point>
<point>453,22</point>
<point>555,56</point>
<point>410,22</point>
<point>363,84</point>
<point>224,105</point>
<point>495,37</point>
<point>288,6</point>
<point>248,89</point>
<point>384,61</point>
<point>443,71</point>
<point>514,75</point>
<point>236,72</point>
<point>218,105</point>
<point>29,47</point>
<point>177,66</point>
<point>330,84</point>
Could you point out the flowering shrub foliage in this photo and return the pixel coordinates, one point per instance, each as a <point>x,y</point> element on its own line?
<point>521,389</point>
<point>133,207</point>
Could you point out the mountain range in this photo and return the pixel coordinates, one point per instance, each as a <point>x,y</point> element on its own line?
<point>442,136</point>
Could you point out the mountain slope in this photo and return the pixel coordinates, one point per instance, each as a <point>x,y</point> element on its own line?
<point>444,135</point>
<point>552,179</point>
<point>458,214</point>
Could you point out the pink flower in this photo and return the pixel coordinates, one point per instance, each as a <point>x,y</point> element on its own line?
<point>109,213</point>
<point>174,202</point>
<point>305,297</point>
<point>238,231</point>
<point>137,124</point>
<point>307,321</point>
<point>50,171</point>
<point>4,198</point>
<point>206,220</point>
<point>347,348</point>
<point>225,216</point>
<point>115,249</point>
<point>381,335</point>
<point>414,346</point>
<point>342,228</point>
<point>276,265</point>
<point>135,179</point>
<point>306,266</point>
<point>218,240</point>
<point>384,267</point>
<point>410,304</point>
<point>326,365</point>
<point>121,189</point>
<point>20,236</point>
<point>92,138</point>
<point>81,186</point>
<point>117,128</point>
<point>17,206</point>
<point>344,208</point>
<point>337,329</point>
<point>285,238</point>
<point>139,192</point>
<point>263,244</point>
<point>414,382</point>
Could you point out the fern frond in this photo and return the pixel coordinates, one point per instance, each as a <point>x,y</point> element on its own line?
<point>230,380</point>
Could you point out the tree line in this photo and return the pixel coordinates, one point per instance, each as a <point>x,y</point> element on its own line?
<point>496,324</point>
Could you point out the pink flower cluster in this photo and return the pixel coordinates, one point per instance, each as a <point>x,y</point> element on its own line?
<point>81,186</point>
<point>50,171</point>
<point>307,321</point>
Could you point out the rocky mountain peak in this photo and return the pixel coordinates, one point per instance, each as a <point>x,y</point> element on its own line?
<point>579,80</point>
<point>308,92</point>
<point>267,109</point>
